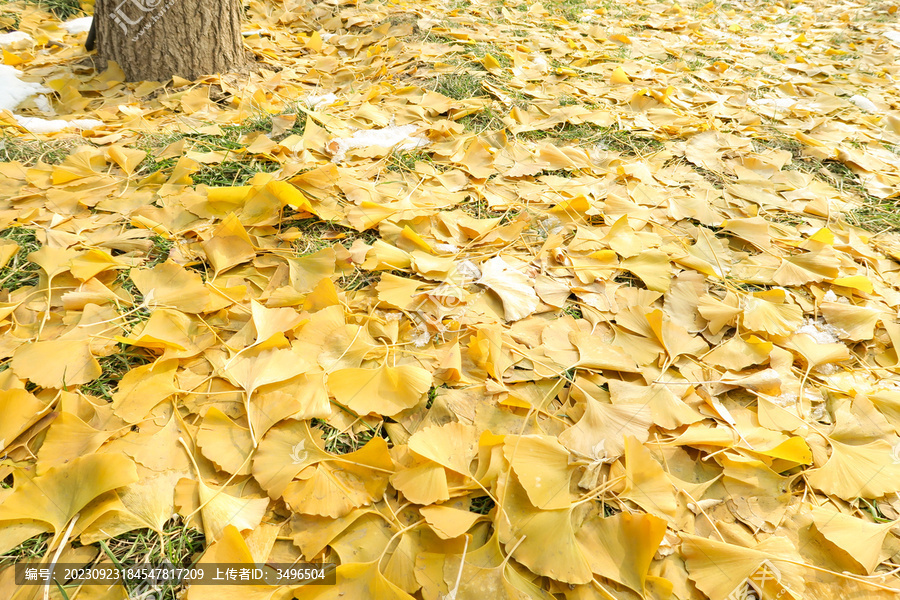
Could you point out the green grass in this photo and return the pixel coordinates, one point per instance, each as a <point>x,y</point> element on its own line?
<point>317,234</point>
<point>405,162</point>
<point>31,151</point>
<point>486,119</point>
<point>623,141</point>
<point>19,272</point>
<point>338,442</point>
<point>573,310</point>
<point>31,548</point>
<point>481,49</point>
<point>459,86</point>
<point>481,505</point>
<point>236,169</point>
<point>114,367</point>
<point>63,9</point>
<point>178,545</point>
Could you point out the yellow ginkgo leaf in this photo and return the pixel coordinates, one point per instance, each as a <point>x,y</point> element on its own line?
<point>8,249</point>
<point>229,246</point>
<point>542,468</point>
<point>92,262</point>
<point>513,287</point>
<point>861,540</point>
<point>854,323</point>
<point>602,431</point>
<point>232,548</point>
<point>357,580</point>
<point>251,370</point>
<point>596,354</point>
<point>56,363</point>
<point>652,267</point>
<point>720,569</point>
<point>449,522</point>
<point>384,391</point>
<point>815,353</point>
<point>863,471</point>
<point>142,388</point>
<point>646,483</point>
<point>424,483</point>
<point>285,451</point>
<point>68,436</point>
<point>806,268</point>
<point>453,445</point>
<point>49,501</point>
<point>769,313</point>
<point>20,410</point>
<point>221,509</point>
<point>224,442</point>
<point>542,540</point>
<point>737,354</point>
<point>619,76</point>
<point>171,285</point>
<point>622,547</point>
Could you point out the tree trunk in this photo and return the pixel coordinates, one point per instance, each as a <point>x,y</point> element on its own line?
<point>154,40</point>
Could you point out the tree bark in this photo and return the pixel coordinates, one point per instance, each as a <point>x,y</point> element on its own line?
<point>155,40</point>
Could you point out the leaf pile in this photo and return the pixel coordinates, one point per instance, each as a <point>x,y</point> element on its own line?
<point>484,299</point>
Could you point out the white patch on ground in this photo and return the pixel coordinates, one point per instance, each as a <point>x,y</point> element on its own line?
<point>394,136</point>
<point>469,270</point>
<point>894,36</point>
<point>14,91</point>
<point>13,38</point>
<point>38,125</point>
<point>316,101</point>
<point>76,26</point>
<point>823,333</point>
<point>864,103</point>
<point>777,103</point>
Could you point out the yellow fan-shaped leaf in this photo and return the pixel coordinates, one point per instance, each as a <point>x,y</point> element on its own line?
<point>513,287</point>
<point>652,267</point>
<point>861,540</point>
<point>449,522</point>
<point>720,569</point>
<point>622,547</point>
<point>549,547</point>
<point>619,76</point>
<point>853,322</point>
<point>384,391</point>
<point>357,580</point>
<point>646,483</point>
<point>224,442</point>
<point>171,285</point>
<point>221,509</point>
<point>807,268</point>
<point>453,445</point>
<point>229,246</point>
<point>56,363</point>
<point>775,318</point>
<point>287,448</point>
<point>541,465</point>
<point>424,483</point>
<point>142,388</point>
<point>52,499</point>
<point>602,430</point>
<point>863,471</point>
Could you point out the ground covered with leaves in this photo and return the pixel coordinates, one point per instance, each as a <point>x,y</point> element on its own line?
<point>481,299</point>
